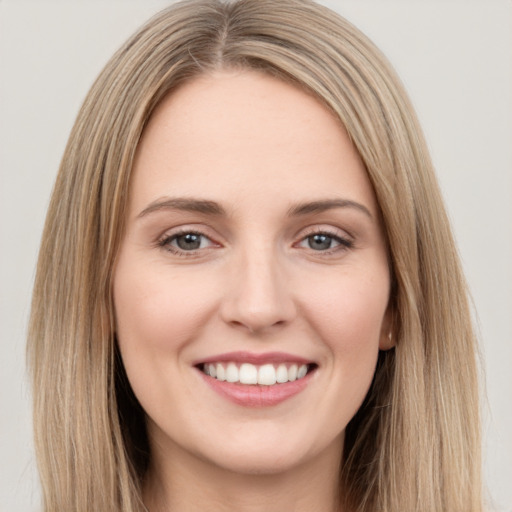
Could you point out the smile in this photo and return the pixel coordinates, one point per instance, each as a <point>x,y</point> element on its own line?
<point>257,380</point>
<point>263,375</point>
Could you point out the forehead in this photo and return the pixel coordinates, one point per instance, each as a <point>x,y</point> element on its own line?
<point>236,133</point>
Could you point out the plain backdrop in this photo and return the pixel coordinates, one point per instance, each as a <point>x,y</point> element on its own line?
<point>455,58</point>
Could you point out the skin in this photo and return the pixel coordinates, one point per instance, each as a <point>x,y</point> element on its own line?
<point>258,148</point>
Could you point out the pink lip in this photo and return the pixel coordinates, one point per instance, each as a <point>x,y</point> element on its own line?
<point>254,395</point>
<point>257,359</point>
<point>249,395</point>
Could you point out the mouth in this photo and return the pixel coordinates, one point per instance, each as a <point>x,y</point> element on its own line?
<point>257,380</point>
<point>268,374</point>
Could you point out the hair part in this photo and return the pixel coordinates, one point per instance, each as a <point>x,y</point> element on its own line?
<point>415,443</point>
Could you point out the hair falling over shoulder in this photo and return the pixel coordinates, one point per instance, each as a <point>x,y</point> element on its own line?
<point>415,443</point>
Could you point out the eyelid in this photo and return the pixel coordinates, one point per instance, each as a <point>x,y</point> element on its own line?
<point>164,240</point>
<point>345,240</point>
<point>327,229</point>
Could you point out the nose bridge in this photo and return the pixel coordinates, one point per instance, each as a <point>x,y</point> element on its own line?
<point>259,294</point>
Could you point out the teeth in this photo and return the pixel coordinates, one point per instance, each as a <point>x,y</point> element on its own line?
<point>220,371</point>
<point>248,374</point>
<point>264,375</point>
<point>267,375</point>
<point>232,374</point>
<point>282,374</point>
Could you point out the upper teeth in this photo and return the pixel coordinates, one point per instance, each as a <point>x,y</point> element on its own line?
<point>247,373</point>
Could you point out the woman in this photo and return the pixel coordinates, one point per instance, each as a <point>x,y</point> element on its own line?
<point>248,294</point>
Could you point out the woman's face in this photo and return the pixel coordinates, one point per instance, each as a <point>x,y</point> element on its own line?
<point>253,254</point>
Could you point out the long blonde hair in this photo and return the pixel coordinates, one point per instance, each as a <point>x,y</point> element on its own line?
<point>415,443</point>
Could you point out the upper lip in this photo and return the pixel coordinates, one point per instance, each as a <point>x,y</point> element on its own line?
<point>254,358</point>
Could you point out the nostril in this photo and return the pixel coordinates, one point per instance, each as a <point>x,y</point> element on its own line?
<point>256,300</point>
<point>256,325</point>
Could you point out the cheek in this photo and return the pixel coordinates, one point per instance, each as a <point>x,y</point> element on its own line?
<point>350,314</point>
<point>158,311</point>
<point>348,319</point>
<point>158,314</point>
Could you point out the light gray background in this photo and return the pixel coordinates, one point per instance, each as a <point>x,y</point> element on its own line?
<point>455,57</point>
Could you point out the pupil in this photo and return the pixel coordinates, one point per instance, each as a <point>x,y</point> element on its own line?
<point>319,242</point>
<point>189,241</point>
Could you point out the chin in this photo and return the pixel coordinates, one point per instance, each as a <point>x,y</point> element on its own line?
<point>260,463</point>
<point>261,457</point>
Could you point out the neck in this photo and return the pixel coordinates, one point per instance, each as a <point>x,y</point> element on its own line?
<point>181,482</point>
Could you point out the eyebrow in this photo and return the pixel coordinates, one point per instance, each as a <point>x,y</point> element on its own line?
<point>184,204</point>
<point>325,205</point>
<point>213,208</point>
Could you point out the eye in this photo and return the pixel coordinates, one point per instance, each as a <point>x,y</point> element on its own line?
<point>185,241</point>
<point>320,242</point>
<point>325,242</point>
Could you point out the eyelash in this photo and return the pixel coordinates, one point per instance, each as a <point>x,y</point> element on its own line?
<point>344,243</point>
<point>166,242</point>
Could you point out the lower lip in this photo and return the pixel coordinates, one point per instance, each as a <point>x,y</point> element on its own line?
<point>253,395</point>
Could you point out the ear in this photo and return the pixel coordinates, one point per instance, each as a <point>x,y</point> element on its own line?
<point>387,335</point>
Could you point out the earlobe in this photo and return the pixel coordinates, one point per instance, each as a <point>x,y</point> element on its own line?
<point>387,333</point>
<point>387,341</point>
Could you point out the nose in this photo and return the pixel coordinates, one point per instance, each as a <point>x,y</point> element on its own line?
<point>258,296</point>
